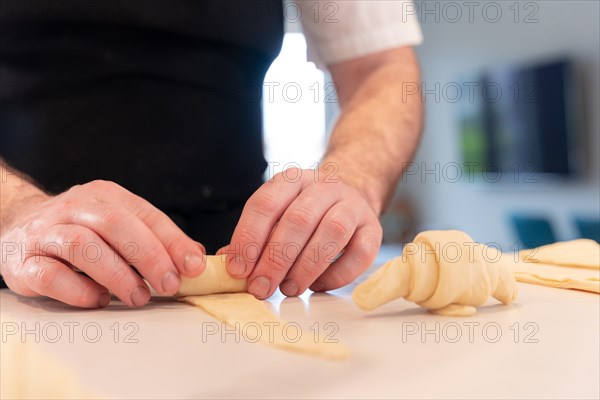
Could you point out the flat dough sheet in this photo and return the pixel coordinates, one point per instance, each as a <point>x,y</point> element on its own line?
<point>224,297</point>
<point>582,253</point>
<point>557,276</point>
<point>252,318</point>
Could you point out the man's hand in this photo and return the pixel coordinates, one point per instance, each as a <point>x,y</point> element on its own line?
<point>301,229</point>
<point>101,229</point>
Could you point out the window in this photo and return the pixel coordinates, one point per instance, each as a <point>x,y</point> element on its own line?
<point>293,109</point>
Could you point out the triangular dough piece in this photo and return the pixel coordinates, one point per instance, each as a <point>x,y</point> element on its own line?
<point>256,322</point>
<point>583,253</point>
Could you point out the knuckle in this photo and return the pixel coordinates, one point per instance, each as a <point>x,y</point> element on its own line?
<point>262,203</point>
<point>73,190</point>
<point>247,236</point>
<point>336,227</point>
<point>149,216</point>
<point>291,174</point>
<point>307,268</point>
<point>67,205</point>
<point>118,276</point>
<point>153,253</point>
<point>276,262</point>
<point>174,246</point>
<point>45,276</point>
<point>285,175</point>
<point>102,184</point>
<point>75,237</point>
<point>298,217</point>
<point>113,216</point>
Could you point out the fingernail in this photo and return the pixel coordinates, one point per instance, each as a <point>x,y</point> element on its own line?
<point>170,282</point>
<point>237,266</point>
<point>192,263</point>
<point>104,299</point>
<point>140,296</point>
<point>260,287</point>
<point>289,288</point>
<point>317,287</point>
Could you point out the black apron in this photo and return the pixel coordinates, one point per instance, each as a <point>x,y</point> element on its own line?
<point>160,96</point>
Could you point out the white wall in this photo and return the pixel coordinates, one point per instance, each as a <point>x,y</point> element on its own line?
<point>452,50</point>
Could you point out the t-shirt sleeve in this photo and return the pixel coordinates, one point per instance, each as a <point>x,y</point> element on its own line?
<point>341,30</point>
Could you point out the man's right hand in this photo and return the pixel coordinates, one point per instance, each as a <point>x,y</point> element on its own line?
<point>101,229</point>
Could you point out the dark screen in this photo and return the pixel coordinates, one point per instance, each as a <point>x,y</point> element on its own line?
<point>523,122</point>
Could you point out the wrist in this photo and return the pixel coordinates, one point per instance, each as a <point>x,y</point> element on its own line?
<point>374,189</point>
<point>11,210</point>
<point>16,194</point>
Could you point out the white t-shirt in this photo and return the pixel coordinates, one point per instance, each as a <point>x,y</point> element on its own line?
<point>341,30</point>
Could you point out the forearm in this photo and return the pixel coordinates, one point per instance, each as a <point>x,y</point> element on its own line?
<point>379,128</point>
<point>14,188</point>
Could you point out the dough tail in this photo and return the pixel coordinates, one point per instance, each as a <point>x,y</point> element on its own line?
<point>390,282</point>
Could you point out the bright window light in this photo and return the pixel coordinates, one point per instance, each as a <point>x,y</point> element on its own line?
<point>293,109</point>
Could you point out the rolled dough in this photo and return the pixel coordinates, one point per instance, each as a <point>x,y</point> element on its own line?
<point>443,271</point>
<point>214,279</point>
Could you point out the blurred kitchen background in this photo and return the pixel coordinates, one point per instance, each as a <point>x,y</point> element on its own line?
<point>511,146</point>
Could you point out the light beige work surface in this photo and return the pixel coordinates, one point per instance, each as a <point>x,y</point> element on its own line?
<point>544,346</point>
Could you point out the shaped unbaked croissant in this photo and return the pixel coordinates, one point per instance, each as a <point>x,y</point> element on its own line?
<point>443,271</point>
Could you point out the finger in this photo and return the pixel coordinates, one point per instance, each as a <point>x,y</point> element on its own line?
<point>260,214</point>
<point>333,234</point>
<point>84,249</point>
<point>358,255</point>
<point>184,252</point>
<point>187,254</point>
<point>296,226</point>
<point>49,277</point>
<point>134,241</point>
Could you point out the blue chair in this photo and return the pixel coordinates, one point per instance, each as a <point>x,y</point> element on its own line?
<point>533,231</point>
<point>588,228</point>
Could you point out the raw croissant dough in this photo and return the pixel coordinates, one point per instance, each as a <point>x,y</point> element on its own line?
<point>248,314</point>
<point>443,271</point>
<point>566,265</point>
<point>214,279</point>
<point>558,279</point>
<point>583,253</point>
<point>252,317</point>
